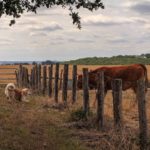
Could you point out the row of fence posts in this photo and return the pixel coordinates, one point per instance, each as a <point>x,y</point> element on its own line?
<point>36,83</point>
<point>22,77</point>
<point>41,80</point>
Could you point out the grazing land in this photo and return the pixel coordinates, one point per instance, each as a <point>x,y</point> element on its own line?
<point>41,125</point>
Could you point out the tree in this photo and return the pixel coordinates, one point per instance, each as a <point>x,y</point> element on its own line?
<point>16,8</point>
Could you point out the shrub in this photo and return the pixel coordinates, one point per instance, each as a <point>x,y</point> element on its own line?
<point>78,115</point>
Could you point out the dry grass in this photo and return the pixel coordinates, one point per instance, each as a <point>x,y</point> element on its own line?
<point>38,125</point>
<point>109,138</point>
<point>30,126</point>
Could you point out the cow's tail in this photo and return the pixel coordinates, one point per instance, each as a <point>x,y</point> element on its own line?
<point>146,77</point>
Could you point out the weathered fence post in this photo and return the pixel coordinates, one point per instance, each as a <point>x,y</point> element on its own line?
<point>85,92</point>
<point>31,78</point>
<point>74,83</point>
<point>36,77</point>
<point>61,79</point>
<point>44,79</point>
<point>26,78</point>
<point>50,82</point>
<point>23,74</point>
<point>39,78</point>
<point>65,84</point>
<point>142,114</point>
<point>117,101</point>
<point>20,75</point>
<point>17,77</point>
<point>100,100</point>
<point>56,83</point>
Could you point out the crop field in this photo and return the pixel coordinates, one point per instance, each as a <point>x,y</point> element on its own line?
<point>39,125</point>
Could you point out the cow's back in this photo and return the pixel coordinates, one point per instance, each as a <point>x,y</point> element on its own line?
<point>129,75</point>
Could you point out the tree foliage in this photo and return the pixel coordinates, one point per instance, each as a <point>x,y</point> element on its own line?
<point>16,8</point>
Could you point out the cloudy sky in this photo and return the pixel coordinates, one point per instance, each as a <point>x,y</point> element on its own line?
<point>123,27</point>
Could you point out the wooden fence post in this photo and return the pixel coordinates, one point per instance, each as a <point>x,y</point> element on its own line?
<point>74,84</point>
<point>61,79</point>
<point>20,75</point>
<point>117,101</point>
<point>23,79</point>
<point>27,77</point>
<point>65,84</point>
<point>100,100</point>
<point>50,83</point>
<point>31,78</point>
<point>17,78</point>
<point>36,77</point>
<point>85,92</point>
<point>39,78</point>
<point>142,114</point>
<point>26,84</point>
<point>56,83</point>
<point>44,79</point>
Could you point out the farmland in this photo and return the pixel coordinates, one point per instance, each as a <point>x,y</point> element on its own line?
<point>80,67</point>
<point>37,125</point>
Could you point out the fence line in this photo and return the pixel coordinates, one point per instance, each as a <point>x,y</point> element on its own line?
<point>56,83</point>
<point>65,84</point>
<point>23,80</point>
<point>85,92</point>
<point>74,84</point>
<point>100,100</point>
<point>117,102</point>
<point>142,114</point>
<point>50,82</point>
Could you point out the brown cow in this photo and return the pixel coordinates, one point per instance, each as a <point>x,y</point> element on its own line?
<point>129,75</point>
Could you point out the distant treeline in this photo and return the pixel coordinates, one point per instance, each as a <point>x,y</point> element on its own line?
<point>115,60</point>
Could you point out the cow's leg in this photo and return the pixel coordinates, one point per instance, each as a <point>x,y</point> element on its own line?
<point>135,92</point>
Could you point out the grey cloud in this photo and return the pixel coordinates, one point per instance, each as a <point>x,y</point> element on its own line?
<point>80,40</point>
<point>34,34</point>
<point>100,23</point>
<point>106,21</point>
<point>27,22</point>
<point>142,7</point>
<point>5,42</point>
<point>113,21</point>
<point>56,42</point>
<point>53,11</point>
<point>4,28</point>
<point>48,28</point>
<point>143,39</point>
<point>117,41</point>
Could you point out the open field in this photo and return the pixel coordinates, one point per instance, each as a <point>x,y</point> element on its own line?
<point>80,67</point>
<point>38,125</point>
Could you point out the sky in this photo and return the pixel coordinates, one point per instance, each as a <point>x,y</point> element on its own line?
<point>122,28</point>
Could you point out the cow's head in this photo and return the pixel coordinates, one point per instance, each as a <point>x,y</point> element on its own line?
<point>92,81</point>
